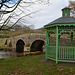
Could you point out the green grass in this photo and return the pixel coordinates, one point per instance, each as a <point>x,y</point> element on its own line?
<point>30,65</point>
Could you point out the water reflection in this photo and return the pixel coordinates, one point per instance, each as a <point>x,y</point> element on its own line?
<point>11,54</point>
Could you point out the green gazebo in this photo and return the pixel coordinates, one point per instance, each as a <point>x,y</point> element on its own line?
<point>60,40</point>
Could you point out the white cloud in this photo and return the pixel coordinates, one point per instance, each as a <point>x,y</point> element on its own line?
<point>49,13</point>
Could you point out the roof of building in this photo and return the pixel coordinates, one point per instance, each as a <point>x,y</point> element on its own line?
<point>66,8</point>
<point>63,20</point>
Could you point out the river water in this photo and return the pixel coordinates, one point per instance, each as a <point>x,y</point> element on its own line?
<point>7,54</point>
<point>11,54</point>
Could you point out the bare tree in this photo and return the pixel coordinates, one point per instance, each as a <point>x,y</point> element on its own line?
<point>12,11</point>
<point>6,4</point>
<point>72,7</point>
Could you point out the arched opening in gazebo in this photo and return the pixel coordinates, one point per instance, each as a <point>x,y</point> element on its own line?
<point>60,44</point>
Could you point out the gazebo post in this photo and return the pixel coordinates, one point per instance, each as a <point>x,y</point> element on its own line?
<point>48,39</point>
<point>71,38</point>
<point>56,45</point>
<point>58,39</point>
<point>46,44</point>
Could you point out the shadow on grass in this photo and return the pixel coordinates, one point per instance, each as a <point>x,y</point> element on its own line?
<point>53,63</point>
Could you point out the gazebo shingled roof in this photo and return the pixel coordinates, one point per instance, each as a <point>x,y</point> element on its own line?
<point>63,20</point>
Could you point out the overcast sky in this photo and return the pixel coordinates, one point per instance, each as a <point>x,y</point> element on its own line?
<point>48,13</point>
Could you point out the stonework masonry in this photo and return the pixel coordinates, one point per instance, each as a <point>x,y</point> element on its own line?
<point>28,38</point>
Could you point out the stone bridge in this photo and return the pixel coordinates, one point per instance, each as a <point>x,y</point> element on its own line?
<point>28,38</point>
<point>34,39</point>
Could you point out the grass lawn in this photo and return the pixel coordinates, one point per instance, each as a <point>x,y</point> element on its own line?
<point>30,65</point>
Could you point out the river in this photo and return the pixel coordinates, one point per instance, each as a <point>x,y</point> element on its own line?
<point>11,54</point>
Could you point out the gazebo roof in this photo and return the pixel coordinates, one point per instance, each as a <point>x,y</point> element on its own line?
<point>63,20</point>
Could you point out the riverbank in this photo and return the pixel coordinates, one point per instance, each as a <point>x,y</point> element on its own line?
<point>31,65</point>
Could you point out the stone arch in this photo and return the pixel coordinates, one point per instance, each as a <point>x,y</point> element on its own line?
<point>37,45</point>
<point>20,46</point>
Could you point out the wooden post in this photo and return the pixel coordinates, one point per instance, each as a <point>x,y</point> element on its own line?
<point>58,40</point>
<point>56,44</point>
<point>48,38</point>
<point>46,45</point>
<point>71,38</point>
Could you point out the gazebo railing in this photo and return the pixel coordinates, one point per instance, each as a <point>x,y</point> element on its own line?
<point>65,52</point>
<point>51,51</point>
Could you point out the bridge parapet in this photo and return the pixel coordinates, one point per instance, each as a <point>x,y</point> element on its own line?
<point>27,38</point>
